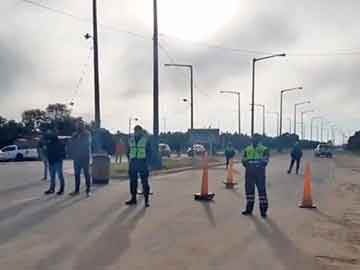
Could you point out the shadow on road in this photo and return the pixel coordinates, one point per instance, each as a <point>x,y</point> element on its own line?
<point>209,212</point>
<point>27,222</point>
<point>284,249</point>
<point>110,245</point>
<point>11,190</point>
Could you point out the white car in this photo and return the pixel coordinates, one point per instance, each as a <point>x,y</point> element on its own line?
<point>16,153</point>
<point>198,149</point>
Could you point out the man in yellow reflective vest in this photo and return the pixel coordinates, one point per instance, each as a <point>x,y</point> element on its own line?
<point>139,153</point>
<point>255,160</point>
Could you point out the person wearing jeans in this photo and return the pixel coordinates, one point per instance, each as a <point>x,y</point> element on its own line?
<point>81,151</point>
<point>56,155</point>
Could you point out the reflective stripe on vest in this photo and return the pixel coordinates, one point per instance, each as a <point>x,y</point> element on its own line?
<point>138,151</point>
<point>257,153</point>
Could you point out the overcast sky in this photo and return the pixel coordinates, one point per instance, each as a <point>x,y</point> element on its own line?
<point>43,55</point>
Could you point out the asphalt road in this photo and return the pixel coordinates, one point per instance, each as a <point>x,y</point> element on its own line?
<point>100,232</point>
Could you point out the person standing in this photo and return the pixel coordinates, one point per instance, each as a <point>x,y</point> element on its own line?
<point>42,153</point>
<point>120,150</point>
<point>255,160</point>
<point>81,152</point>
<point>56,155</point>
<point>229,154</point>
<point>295,155</point>
<point>139,154</point>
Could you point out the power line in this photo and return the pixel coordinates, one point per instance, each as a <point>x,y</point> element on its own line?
<point>85,20</point>
<point>240,51</point>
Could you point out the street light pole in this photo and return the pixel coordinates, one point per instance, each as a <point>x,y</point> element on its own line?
<point>289,119</point>
<point>263,108</point>
<point>239,106</point>
<point>155,146</point>
<point>191,90</point>
<point>277,122</point>
<point>254,60</point>
<point>302,123</point>
<point>96,67</point>
<point>311,126</point>
<point>295,106</point>
<point>281,103</point>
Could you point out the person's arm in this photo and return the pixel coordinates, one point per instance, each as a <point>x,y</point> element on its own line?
<point>244,159</point>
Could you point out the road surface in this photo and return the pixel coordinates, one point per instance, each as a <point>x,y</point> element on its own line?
<point>101,233</point>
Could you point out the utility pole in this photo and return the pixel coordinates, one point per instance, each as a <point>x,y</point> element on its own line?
<point>254,60</point>
<point>190,67</point>
<point>238,94</point>
<point>263,109</point>
<point>302,123</point>
<point>155,145</point>
<point>281,103</point>
<point>96,67</point>
<point>295,106</point>
<point>277,122</point>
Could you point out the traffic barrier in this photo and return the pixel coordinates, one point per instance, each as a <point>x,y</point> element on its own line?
<point>230,181</point>
<point>204,195</point>
<point>307,201</point>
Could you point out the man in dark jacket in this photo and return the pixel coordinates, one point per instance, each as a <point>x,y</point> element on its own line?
<point>80,153</point>
<point>139,155</point>
<point>55,154</point>
<point>229,154</point>
<point>296,155</point>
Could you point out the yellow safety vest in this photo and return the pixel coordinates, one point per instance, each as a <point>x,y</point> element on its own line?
<point>138,151</point>
<point>257,153</point>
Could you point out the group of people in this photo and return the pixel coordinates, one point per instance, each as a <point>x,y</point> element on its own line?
<point>255,159</point>
<point>52,152</point>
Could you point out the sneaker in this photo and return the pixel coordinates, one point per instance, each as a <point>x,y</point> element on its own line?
<point>131,202</point>
<point>246,213</point>
<point>49,191</point>
<point>88,193</point>
<point>263,215</point>
<point>74,193</point>
<point>60,192</point>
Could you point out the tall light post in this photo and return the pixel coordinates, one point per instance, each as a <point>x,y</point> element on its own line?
<point>289,119</point>
<point>254,60</point>
<point>277,121</point>
<point>312,124</point>
<point>130,122</point>
<point>190,67</point>
<point>295,107</point>
<point>239,106</point>
<point>302,123</point>
<point>156,160</point>
<point>263,109</point>
<point>281,103</point>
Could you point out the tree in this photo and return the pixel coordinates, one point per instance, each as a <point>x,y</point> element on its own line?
<point>33,119</point>
<point>58,111</point>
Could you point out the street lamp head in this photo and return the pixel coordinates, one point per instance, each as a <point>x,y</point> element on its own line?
<point>283,54</point>
<point>87,36</point>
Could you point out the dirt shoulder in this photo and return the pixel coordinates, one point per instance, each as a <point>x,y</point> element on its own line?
<point>336,229</point>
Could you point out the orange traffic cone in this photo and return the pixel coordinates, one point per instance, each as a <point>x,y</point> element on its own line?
<point>230,181</point>
<point>307,199</point>
<point>205,195</point>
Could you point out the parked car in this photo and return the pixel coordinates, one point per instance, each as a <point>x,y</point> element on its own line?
<point>198,149</point>
<point>164,150</point>
<point>17,153</point>
<point>323,150</point>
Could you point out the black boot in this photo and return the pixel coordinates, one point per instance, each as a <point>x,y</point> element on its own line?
<point>132,201</point>
<point>246,213</point>
<point>49,191</point>
<point>146,196</point>
<point>263,215</point>
<point>61,191</point>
